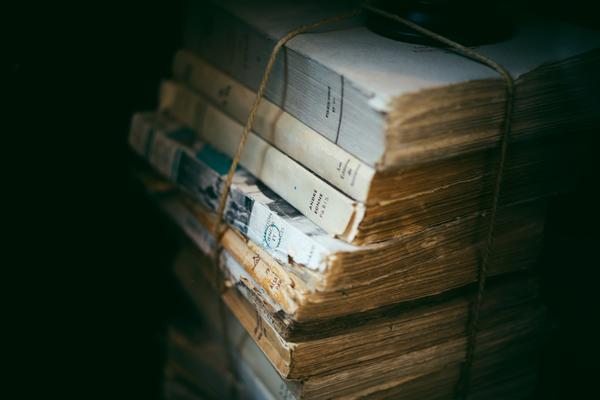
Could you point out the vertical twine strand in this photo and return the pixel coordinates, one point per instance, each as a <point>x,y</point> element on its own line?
<point>463,384</point>
<point>221,287</point>
<point>259,95</point>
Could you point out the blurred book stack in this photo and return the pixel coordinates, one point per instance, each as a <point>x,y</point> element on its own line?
<point>356,221</point>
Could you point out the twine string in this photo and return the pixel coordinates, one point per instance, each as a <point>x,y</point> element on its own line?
<point>463,384</point>
<point>475,309</point>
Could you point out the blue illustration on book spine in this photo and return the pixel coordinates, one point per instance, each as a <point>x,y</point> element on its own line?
<point>196,179</point>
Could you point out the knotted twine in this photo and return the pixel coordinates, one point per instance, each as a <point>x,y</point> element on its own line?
<point>463,385</point>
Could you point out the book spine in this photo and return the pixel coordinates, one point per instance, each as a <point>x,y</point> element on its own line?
<point>318,96</point>
<point>303,144</point>
<point>260,216</point>
<point>282,285</point>
<point>202,238</point>
<point>320,202</point>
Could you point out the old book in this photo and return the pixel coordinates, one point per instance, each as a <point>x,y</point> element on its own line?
<point>376,363</point>
<point>403,199</point>
<point>417,103</point>
<point>308,273</point>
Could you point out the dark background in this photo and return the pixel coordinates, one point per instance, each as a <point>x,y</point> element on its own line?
<point>89,257</point>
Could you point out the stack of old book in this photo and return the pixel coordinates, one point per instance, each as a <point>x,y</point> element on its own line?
<point>356,222</point>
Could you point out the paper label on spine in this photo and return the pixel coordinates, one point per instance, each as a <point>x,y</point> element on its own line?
<point>270,232</point>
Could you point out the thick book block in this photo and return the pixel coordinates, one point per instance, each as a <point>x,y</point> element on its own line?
<point>404,353</point>
<point>391,103</point>
<point>428,264</point>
